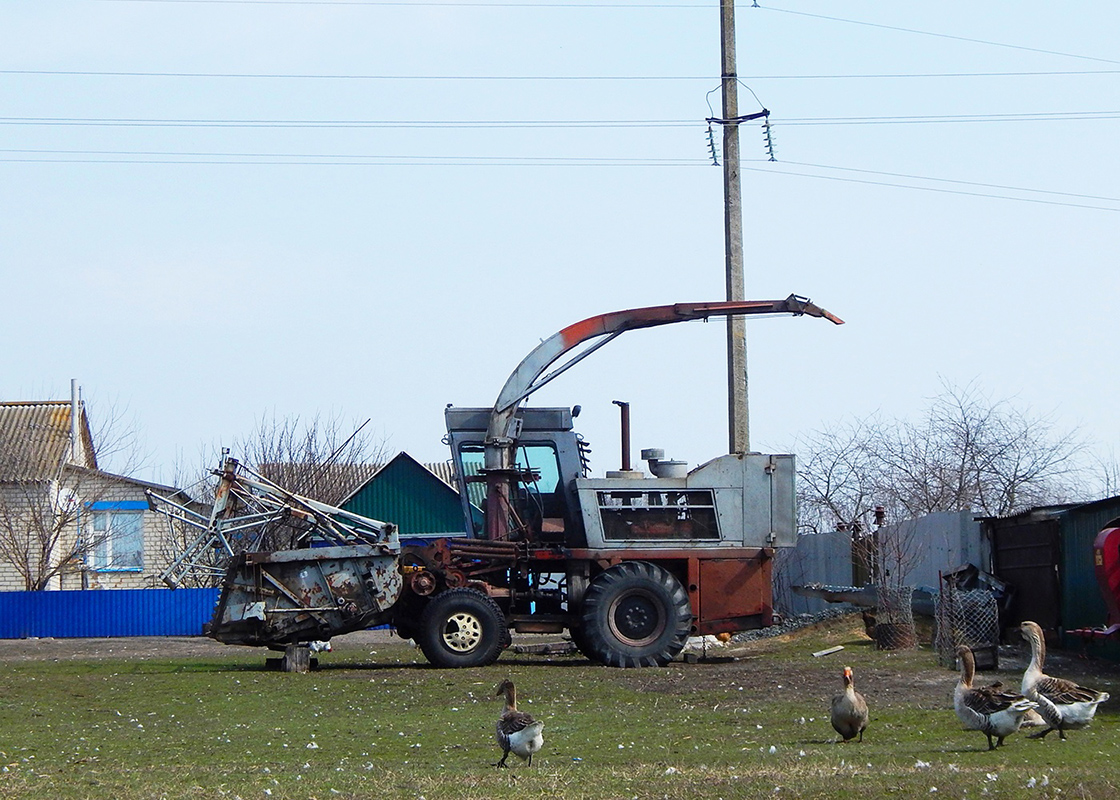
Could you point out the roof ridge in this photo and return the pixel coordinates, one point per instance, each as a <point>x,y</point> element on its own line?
<point>34,402</point>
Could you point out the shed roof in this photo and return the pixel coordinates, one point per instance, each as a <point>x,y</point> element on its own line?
<point>343,480</point>
<point>1056,510</point>
<point>413,496</point>
<point>444,470</point>
<point>35,440</point>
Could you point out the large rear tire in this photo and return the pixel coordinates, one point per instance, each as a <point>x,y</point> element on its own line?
<point>634,614</point>
<point>462,628</point>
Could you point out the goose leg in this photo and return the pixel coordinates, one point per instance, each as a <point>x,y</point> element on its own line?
<point>502,763</point>
<point>991,745</point>
<point>1040,734</point>
<point>1062,734</point>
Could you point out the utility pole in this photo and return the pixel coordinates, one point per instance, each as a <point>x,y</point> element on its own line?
<point>738,417</point>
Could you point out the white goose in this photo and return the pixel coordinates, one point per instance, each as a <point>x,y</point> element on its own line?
<point>517,731</point>
<point>1062,704</point>
<point>988,709</point>
<point>849,710</point>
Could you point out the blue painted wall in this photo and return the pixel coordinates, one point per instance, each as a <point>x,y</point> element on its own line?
<point>120,612</point>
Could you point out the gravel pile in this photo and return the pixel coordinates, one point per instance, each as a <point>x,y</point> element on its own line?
<point>794,622</point>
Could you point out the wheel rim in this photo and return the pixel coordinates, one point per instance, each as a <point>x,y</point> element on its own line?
<point>636,618</point>
<point>462,632</point>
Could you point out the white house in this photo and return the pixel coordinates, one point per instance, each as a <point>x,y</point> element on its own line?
<point>65,523</point>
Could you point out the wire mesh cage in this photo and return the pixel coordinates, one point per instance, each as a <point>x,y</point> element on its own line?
<point>967,617</point>
<point>894,618</point>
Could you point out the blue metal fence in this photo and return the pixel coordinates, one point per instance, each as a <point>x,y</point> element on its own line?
<point>106,613</point>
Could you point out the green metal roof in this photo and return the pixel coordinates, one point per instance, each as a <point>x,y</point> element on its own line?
<point>412,497</point>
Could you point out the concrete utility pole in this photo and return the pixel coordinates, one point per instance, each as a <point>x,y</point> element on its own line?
<point>738,416</point>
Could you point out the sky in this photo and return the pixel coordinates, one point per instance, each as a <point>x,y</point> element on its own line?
<point>213,212</point>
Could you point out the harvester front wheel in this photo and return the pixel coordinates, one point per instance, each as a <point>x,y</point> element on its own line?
<point>634,614</point>
<point>462,628</point>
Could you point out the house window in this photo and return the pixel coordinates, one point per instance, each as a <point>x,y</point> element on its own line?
<point>116,537</point>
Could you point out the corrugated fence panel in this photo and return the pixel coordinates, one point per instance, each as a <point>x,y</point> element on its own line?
<point>108,613</point>
<point>818,558</point>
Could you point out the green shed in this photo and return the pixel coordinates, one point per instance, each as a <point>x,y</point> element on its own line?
<point>418,499</point>
<point>1047,554</point>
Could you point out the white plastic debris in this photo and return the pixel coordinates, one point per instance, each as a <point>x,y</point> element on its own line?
<point>773,749</point>
<point>921,764</point>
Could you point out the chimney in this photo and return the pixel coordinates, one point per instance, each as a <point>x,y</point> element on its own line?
<point>75,410</point>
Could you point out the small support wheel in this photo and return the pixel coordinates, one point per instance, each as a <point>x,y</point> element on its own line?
<point>462,628</point>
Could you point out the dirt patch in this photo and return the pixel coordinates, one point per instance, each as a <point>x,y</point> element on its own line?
<point>139,647</point>
<point>151,647</point>
<point>778,667</point>
<point>783,667</point>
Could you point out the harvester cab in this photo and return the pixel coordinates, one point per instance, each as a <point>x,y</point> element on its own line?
<point>738,500</point>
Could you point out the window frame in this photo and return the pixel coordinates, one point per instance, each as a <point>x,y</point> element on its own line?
<point>101,556</point>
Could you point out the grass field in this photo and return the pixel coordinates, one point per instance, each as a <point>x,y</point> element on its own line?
<point>382,724</point>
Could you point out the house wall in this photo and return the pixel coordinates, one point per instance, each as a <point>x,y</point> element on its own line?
<point>100,490</point>
<point>16,502</point>
<point>130,498</point>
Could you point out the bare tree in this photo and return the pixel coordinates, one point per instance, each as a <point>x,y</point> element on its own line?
<point>197,481</point>
<point>47,479</point>
<point>321,458</point>
<point>967,453</point>
<point>1105,473</point>
<point>973,453</point>
<point>837,480</point>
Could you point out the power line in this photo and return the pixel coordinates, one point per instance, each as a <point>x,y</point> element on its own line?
<point>933,189</point>
<point>261,123</point>
<point>957,182</point>
<point>1041,116</point>
<point>455,161</point>
<point>421,3</point>
<point>156,157</point>
<point>330,159</point>
<point>543,78</point>
<point>136,122</point>
<point>941,35</point>
<point>611,6</point>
